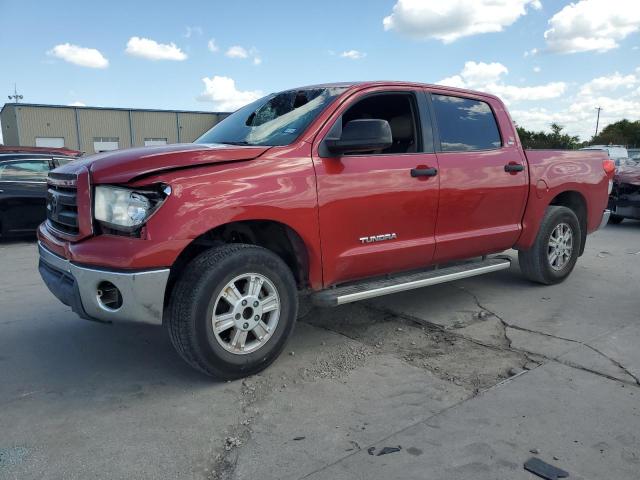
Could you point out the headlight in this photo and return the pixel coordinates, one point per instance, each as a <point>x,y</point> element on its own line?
<point>126,209</point>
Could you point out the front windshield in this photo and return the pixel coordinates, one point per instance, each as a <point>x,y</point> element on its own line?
<point>277,119</point>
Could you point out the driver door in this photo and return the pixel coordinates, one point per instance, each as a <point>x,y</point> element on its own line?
<point>377,210</point>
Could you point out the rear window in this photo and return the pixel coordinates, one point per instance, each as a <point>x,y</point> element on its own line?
<point>465,124</point>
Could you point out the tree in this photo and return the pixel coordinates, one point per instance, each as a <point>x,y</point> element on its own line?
<point>556,139</point>
<point>623,132</point>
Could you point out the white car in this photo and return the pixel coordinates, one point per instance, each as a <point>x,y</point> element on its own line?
<point>617,153</point>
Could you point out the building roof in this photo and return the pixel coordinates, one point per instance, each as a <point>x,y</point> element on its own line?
<point>108,108</point>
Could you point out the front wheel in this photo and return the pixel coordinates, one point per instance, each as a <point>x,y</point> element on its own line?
<point>556,248</point>
<point>232,310</point>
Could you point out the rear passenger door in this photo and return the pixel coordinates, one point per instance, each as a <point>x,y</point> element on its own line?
<point>23,192</point>
<point>483,177</point>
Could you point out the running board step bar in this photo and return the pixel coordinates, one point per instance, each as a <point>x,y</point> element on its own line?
<point>376,288</point>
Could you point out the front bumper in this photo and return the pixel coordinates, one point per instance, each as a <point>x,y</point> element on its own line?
<point>142,292</point>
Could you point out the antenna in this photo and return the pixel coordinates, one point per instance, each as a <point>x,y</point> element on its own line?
<point>15,97</point>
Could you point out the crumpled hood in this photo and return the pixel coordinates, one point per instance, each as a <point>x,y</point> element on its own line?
<point>121,166</point>
<point>627,174</point>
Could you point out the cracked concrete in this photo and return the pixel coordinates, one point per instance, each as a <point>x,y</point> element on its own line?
<point>466,377</point>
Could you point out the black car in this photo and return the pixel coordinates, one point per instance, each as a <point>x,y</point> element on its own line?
<point>23,188</point>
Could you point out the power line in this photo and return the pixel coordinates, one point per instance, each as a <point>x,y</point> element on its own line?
<point>597,120</point>
<point>15,95</point>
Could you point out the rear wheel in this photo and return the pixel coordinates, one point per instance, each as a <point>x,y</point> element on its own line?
<point>232,310</point>
<point>556,248</point>
<point>615,219</point>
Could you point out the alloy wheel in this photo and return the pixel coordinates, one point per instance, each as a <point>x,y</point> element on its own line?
<point>246,313</point>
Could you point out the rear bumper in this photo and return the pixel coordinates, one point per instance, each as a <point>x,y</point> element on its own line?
<point>605,218</point>
<point>142,292</point>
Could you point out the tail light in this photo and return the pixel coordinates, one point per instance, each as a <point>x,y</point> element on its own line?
<point>609,166</point>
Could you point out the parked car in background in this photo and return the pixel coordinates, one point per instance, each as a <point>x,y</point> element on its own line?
<point>624,201</point>
<point>617,153</point>
<point>624,198</point>
<point>635,156</point>
<point>23,186</point>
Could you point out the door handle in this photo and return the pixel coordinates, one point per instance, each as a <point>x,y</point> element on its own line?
<point>513,167</point>
<point>424,172</point>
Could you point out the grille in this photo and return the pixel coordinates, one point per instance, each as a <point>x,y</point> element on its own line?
<point>62,204</point>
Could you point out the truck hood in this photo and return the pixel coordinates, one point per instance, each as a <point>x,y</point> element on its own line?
<point>627,174</point>
<point>121,166</point>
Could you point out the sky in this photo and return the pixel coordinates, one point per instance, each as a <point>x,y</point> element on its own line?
<point>549,60</point>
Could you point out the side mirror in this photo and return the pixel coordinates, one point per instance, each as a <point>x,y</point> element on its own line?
<point>361,136</point>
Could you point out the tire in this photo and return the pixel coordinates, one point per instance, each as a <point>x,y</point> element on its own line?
<point>615,219</point>
<point>536,264</point>
<point>239,350</point>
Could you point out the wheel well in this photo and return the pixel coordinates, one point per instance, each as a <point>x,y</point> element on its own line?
<point>277,237</point>
<point>576,202</point>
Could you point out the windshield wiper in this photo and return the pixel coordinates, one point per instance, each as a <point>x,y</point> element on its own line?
<point>236,143</point>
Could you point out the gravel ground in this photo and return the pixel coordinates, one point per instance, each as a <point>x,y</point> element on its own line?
<point>524,368</point>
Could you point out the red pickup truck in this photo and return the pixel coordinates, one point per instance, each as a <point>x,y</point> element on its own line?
<point>342,192</point>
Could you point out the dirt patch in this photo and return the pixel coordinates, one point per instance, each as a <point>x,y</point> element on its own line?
<point>445,353</point>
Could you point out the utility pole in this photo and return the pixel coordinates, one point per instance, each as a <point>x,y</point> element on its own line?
<point>597,120</point>
<point>15,97</point>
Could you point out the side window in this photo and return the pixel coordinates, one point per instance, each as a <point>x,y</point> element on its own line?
<point>59,161</point>
<point>27,170</point>
<point>465,124</point>
<point>397,109</point>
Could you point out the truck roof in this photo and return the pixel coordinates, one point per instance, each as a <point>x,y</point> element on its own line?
<point>358,85</point>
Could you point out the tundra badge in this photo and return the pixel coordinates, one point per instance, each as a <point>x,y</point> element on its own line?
<point>378,238</point>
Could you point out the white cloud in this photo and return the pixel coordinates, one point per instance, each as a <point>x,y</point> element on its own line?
<point>488,77</point>
<point>212,45</point>
<point>449,20</point>
<point>582,112</point>
<point>480,73</point>
<point>225,96</point>
<point>511,93</point>
<point>237,52</point>
<point>537,69</point>
<point>534,118</point>
<point>608,83</point>
<point>454,81</point>
<point>190,31</point>
<point>353,54</point>
<point>578,113</point>
<point>240,52</point>
<point>592,25</point>
<point>77,104</point>
<point>85,57</point>
<point>532,52</point>
<point>152,50</point>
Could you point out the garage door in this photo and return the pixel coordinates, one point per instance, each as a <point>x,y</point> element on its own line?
<point>105,144</point>
<point>149,142</point>
<point>50,142</point>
